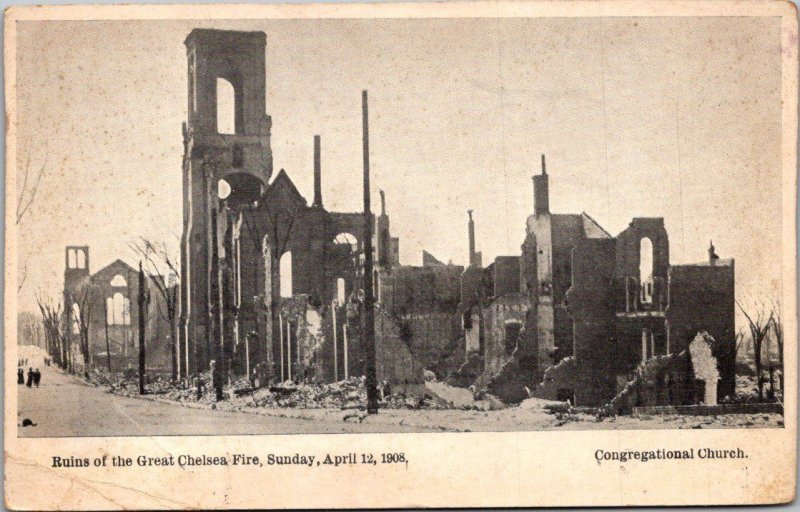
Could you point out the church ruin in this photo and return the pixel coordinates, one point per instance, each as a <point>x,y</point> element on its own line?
<point>272,284</point>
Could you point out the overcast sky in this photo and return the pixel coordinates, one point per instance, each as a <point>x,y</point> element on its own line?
<point>670,117</point>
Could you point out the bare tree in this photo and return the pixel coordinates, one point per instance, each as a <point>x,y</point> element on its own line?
<point>82,299</point>
<point>23,277</point>
<point>52,316</point>
<point>29,329</point>
<point>157,255</point>
<point>777,330</point>
<point>30,185</point>
<point>740,339</point>
<point>759,328</point>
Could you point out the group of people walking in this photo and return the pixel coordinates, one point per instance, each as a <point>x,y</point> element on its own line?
<point>34,377</point>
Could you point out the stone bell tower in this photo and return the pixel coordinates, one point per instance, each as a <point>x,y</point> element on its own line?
<point>231,161</point>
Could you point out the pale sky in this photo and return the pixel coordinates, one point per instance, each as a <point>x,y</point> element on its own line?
<point>669,117</point>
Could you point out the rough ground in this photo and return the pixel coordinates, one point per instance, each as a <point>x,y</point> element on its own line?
<point>67,406</point>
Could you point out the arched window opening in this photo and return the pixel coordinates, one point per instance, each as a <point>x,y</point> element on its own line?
<point>72,259</point>
<point>81,259</point>
<point>109,311</point>
<point>346,238</point>
<point>119,306</point>
<point>226,107</point>
<point>646,270</point>
<point>285,267</point>
<point>119,282</point>
<point>340,291</point>
<point>118,310</point>
<point>223,189</point>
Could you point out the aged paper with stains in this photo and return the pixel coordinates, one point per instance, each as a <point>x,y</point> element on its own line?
<point>467,254</point>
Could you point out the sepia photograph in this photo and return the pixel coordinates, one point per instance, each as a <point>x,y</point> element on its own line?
<point>236,226</point>
<point>397,224</point>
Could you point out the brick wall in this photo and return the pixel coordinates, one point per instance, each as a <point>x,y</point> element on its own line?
<point>593,315</point>
<point>702,299</point>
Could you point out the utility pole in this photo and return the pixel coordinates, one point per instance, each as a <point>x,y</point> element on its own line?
<point>369,306</point>
<point>346,348</point>
<point>335,341</point>
<point>144,300</point>
<point>280,325</point>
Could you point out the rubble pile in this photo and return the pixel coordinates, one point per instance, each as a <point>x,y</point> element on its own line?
<point>345,394</point>
<point>640,386</point>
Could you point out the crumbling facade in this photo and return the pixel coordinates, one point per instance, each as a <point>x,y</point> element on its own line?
<point>271,281</point>
<point>243,159</point>
<point>105,304</point>
<point>275,284</point>
<point>607,304</point>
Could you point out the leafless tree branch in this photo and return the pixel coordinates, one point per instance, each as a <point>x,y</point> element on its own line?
<point>27,194</point>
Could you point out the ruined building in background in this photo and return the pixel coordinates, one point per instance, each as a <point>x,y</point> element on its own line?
<point>589,309</point>
<point>106,303</point>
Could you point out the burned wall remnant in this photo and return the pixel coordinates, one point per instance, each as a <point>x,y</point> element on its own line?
<point>262,265</point>
<point>504,320</point>
<point>243,160</point>
<point>424,303</point>
<point>616,302</point>
<point>107,301</point>
<point>701,298</point>
<point>546,271</point>
<point>593,320</point>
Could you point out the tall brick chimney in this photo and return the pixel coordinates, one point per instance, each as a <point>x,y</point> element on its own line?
<point>471,230</point>
<point>475,258</point>
<point>541,194</point>
<point>317,174</point>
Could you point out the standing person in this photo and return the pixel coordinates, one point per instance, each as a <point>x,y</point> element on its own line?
<point>30,377</point>
<point>20,376</point>
<point>37,377</point>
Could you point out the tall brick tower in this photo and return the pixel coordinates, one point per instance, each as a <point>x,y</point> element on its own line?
<point>218,60</point>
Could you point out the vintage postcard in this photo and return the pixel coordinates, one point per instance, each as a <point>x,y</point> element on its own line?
<point>467,254</point>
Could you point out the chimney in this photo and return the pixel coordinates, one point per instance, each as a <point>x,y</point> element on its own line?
<point>712,255</point>
<point>317,174</point>
<point>471,238</point>
<point>475,259</point>
<point>541,195</point>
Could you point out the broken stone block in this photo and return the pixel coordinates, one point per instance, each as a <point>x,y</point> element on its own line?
<point>704,365</point>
